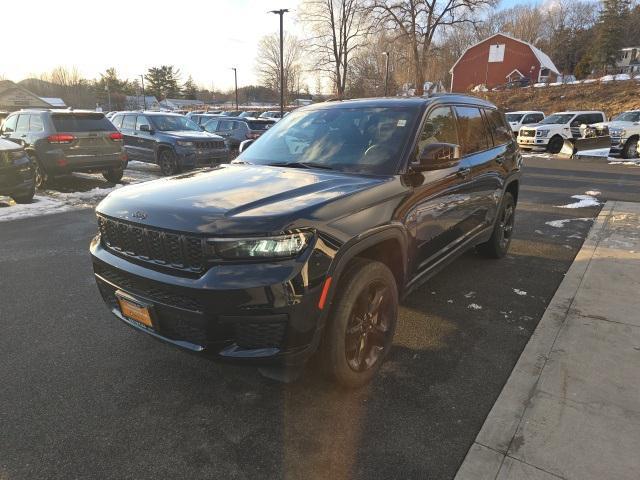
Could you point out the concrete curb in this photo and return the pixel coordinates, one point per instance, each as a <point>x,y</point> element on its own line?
<point>489,452</point>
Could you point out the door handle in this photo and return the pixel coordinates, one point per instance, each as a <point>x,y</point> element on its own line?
<point>464,172</point>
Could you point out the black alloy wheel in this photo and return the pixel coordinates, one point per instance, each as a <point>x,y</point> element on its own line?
<point>168,163</point>
<point>498,245</point>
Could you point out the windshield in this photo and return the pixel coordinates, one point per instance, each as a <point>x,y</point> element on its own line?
<point>557,118</point>
<point>364,140</point>
<point>514,117</point>
<point>628,117</point>
<point>173,123</point>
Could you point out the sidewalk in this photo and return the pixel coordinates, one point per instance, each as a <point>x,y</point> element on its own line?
<point>571,407</point>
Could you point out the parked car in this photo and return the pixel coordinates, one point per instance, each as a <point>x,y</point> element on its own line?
<point>270,114</point>
<point>551,132</point>
<point>523,117</point>
<point>17,175</point>
<point>230,113</point>
<point>236,130</point>
<point>170,140</point>
<point>311,237</point>
<point>202,118</point>
<point>249,114</point>
<point>64,141</point>
<point>625,132</point>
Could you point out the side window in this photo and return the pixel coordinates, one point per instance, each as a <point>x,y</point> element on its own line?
<point>10,124</point>
<point>499,129</point>
<point>225,126</point>
<point>129,122</point>
<point>596,118</point>
<point>117,121</point>
<point>538,117</point>
<point>142,120</point>
<point>579,120</point>
<point>440,127</point>
<point>36,124</point>
<point>472,130</point>
<point>531,118</point>
<point>23,123</point>
<point>211,126</point>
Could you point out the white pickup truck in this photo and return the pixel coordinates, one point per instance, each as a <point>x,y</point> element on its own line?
<point>624,129</point>
<point>523,117</point>
<point>551,132</point>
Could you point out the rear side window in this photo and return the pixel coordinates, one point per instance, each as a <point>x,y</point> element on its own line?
<point>499,129</point>
<point>23,124</point>
<point>10,124</point>
<point>117,120</point>
<point>472,130</point>
<point>259,125</point>
<point>82,122</point>
<point>129,122</point>
<point>440,127</point>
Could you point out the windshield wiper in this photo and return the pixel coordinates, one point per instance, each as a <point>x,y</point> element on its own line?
<point>300,165</point>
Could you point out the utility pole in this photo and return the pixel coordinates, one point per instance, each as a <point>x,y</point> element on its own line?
<point>235,76</point>
<point>386,75</point>
<point>281,12</point>
<point>144,98</point>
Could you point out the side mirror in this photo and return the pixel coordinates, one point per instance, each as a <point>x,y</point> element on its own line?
<point>145,128</point>
<point>437,156</point>
<point>244,145</point>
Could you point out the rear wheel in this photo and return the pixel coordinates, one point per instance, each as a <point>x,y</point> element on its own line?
<point>555,144</point>
<point>168,162</point>
<point>41,177</point>
<point>630,149</point>
<point>362,324</point>
<point>498,244</point>
<point>113,175</point>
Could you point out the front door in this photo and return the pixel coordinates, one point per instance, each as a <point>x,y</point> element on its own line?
<point>128,131</point>
<point>144,139</point>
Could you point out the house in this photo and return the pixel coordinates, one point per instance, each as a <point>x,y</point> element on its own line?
<point>14,97</point>
<point>180,103</point>
<point>629,60</point>
<point>138,102</point>
<point>500,59</point>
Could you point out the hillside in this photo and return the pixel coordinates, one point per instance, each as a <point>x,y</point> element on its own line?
<point>612,98</point>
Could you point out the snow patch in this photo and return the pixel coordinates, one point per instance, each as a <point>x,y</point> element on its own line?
<point>474,306</point>
<point>522,293</point>
<point>40,205</point>
<point>470,295</point>
<point>583,201</point>
<point>562,223</point>
<point>593,193</point>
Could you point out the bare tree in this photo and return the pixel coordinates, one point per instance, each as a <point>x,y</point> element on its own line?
<point>268,62</point>
<point>418,21</point>
<point>339,28</point>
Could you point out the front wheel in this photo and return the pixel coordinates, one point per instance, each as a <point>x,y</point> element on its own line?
<point>498,244</point>
<point>555,144</point>
<point>630,149</point>
<point>41,177</point>
<point>168,162</point>
<point>362,324</point>
<point>25,197</point>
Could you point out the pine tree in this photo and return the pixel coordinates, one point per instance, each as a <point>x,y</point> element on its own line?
<point>611,33</point>
<point>162,82</point>
<point>189,89</point>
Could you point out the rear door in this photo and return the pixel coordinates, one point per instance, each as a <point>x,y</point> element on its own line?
<point>21,133</point>
<point>145,140</point>
<point>128,130</point>
<point>91,143</point>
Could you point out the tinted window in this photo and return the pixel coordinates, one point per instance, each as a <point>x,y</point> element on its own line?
<point>129,122</point>
<point>10,124</point>
<point>23,124</point>
<point>500,131</point>
<point>259,125</point>
<point>173,123</point>
<point>225,125</point>
<point>36,124</point>
<point>142,120</point>
<point>440,127</point>
<point>82,122</point>
<point>472,130</point>
<point>211,126</point>
<point>117,120</point>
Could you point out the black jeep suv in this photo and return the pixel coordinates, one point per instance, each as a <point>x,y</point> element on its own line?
<point>310,237</point>
<point>172,141</point>
<point>16,172</point>
<point>60,142</point>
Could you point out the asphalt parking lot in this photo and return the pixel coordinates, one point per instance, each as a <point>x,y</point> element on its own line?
<point>84,396</point>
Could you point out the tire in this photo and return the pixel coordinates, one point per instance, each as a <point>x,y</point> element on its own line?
<point>25,197</point>
<point>498,245</point>
<point>555,144</point>
<point>41,177</point>
<point>362,323</point>
<point>168,162</point>
<point>113,175</point>
<point>630,149</point>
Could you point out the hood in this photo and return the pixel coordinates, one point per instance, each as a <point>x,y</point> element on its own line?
<point>533,126</point>
<point>235,199</point>
<point>9,145</point>
<point>192,135</point>
<point>616,124</point>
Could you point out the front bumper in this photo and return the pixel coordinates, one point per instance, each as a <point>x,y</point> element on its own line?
<point>255,313</point>
<point>16,180</point>
<point>199,158</point>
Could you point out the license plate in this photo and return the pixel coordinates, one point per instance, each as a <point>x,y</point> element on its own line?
<point>135,311</point>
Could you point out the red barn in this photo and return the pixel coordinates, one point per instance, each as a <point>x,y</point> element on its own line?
<point>500,59</point>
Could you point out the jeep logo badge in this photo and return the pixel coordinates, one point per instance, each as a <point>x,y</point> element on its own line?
<point>139,215</point>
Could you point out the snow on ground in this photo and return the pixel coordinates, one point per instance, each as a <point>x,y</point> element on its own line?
<point>633,163</point>
<point>593,193</point>
<point>562,223</point>
<point>41,205</point>
<point>522,293</point>
<point>583,201</point>
<point>474,306</point>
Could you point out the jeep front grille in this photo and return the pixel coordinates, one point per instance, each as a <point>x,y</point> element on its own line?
<point>169,249</point>
<point>211,145</point>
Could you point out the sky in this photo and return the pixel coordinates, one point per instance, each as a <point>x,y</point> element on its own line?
<point>204,38</point>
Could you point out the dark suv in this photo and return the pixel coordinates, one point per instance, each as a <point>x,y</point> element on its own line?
<point>16,172</point>
<point>64,141</point>
<point>310,237</point>
<point>237,130</point>
<point>170,140</point>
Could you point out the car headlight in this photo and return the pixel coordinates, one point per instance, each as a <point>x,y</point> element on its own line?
<point>277,246</point>
<point>542,133</point>
<point>185,143</point>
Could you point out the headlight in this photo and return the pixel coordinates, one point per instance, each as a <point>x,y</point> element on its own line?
<point>279,246</point>
<point>542,133</point>
<point>185,143</point>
